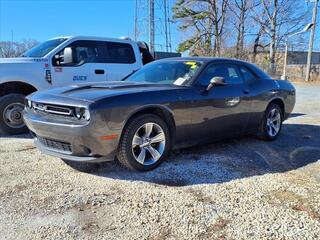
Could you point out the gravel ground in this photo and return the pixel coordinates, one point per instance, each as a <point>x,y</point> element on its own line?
<point>237,189</point>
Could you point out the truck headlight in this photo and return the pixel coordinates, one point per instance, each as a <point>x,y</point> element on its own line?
<point>82,113</point>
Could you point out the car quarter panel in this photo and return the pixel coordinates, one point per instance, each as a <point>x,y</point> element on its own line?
<point>264,91</point>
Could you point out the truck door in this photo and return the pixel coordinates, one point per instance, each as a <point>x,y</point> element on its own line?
<point>121,60</point>
<point>85,64</point>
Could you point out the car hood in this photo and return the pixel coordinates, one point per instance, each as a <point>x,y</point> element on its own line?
<point>88,93</point>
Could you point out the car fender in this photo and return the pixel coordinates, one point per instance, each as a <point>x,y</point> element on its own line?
<point>148,108</point>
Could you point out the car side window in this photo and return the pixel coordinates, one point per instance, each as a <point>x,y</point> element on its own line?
<point>248,76</point>
<point>83,52</point>
<point>120,53</point>
<point>229,72</point>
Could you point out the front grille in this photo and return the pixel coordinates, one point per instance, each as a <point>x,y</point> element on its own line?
<point>56,145</point>
<point>53,109</point>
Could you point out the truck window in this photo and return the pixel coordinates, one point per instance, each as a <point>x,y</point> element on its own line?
<point>44,48</point>
<point>120,53</point>
<point>84,52</point>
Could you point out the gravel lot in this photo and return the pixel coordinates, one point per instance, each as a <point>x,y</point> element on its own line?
<point>237,189</point>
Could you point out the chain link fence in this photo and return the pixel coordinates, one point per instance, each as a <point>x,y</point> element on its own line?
<point>295,68</point>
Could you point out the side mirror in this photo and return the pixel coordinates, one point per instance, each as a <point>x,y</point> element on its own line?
<point>216,81</point>
<point>67,56</point>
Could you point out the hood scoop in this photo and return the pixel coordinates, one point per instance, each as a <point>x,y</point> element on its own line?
<point>109,85</point>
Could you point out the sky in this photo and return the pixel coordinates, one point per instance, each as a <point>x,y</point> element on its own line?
<point>44,19</point>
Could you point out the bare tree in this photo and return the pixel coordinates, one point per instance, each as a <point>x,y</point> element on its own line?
<point>278,19</point>
<point>241,10</point>
<point>15,49</point>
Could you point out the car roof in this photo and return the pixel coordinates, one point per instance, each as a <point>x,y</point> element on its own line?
<point>206,59</point>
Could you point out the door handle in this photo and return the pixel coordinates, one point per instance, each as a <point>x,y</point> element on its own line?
<point>232,101</point>
<point>246,91</point>
<point>99,71</point>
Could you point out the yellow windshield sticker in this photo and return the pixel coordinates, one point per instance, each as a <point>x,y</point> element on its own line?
<point>192,65</point>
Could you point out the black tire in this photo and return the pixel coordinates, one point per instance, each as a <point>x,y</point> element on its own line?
<point>125,153</point>
<point>5,101</point>
<point>263,132</point>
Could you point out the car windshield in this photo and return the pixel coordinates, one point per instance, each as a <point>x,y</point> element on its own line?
<point>166,72</point>
<point>44,48</point>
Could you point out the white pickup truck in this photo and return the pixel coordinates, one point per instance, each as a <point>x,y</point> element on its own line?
<point>63,61</point>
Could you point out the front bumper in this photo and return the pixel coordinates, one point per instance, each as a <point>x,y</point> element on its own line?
<point>76,142</point>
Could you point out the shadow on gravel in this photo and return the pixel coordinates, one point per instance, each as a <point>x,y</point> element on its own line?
<point>293,115</point>
<point>297,146</point>
<point>25,135</point>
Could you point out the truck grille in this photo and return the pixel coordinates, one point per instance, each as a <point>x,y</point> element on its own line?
<point>56,145</point>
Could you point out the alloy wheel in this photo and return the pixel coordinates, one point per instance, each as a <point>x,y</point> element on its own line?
<point>148,143</point>
<point>274,122</point>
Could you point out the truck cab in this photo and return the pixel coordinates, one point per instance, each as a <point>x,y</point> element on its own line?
<point>63,61</point>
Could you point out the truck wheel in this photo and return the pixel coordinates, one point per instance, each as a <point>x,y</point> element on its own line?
<point>11,121</point>
<point>144,144</point>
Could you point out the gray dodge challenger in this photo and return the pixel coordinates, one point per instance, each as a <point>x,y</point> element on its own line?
<point>167,104</point>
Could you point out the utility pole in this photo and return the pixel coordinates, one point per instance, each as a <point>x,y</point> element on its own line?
<point>305,29</point>
<point>136,22</point>
<point>151,25</point>
<point>311,41</point>
<point>165,3</point>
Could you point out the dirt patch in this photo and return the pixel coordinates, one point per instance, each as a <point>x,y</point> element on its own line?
<point>296,202</point>
<point>309,210</point>
<point>199,195</point>
<point>216,231</point>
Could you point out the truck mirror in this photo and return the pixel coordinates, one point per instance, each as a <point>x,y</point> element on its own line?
<point>67,56</point>
<point>57,60</point>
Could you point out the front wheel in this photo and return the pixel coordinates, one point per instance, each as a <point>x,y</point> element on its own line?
<point>145,143</point>
<point>11,107</point>
<point>271,124</point>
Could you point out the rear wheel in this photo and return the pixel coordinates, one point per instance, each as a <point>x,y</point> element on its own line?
<point>145,143</point>
<point>11,107</point>
<point>271,124</point>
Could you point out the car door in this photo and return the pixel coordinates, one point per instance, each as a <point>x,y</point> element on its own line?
<point>121,60</point>
<point>255,91</point>
<point>87,64</point>
<point>224,110</point>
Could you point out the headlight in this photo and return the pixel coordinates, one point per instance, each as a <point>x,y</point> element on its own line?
<point>86,114</point>
<point>78,112</point>
<point>82,113</point>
